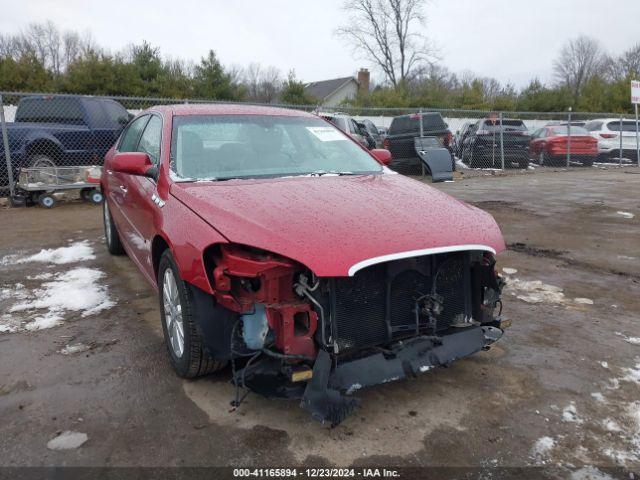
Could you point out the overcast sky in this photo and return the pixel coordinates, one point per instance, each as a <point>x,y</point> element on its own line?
<point>510,40</point>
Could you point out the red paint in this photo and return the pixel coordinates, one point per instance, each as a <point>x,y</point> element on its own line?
<point>555,144</point>
<point>381,155</point>
<point>331,223</point>
<point>325,224</point>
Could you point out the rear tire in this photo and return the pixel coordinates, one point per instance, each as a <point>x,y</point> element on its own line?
<point>111,235</point>
<point>188,356</point>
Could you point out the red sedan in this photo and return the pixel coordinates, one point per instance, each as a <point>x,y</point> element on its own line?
<point>279,244</point>
<point>549,145</point>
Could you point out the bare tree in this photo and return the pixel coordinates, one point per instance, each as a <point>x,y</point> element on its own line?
<point>580,59</point>
<point>262,83</point>
<point>388,33</point>
<point>626,65</point>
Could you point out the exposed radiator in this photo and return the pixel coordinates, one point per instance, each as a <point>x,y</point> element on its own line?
<point>377,305</point>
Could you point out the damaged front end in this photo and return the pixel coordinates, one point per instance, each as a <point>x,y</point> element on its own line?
<point>321,339</point>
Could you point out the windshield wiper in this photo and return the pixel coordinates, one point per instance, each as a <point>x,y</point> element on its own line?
<point>320,173</point>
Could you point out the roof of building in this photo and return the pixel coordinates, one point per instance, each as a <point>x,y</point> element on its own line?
<point>324,88</point>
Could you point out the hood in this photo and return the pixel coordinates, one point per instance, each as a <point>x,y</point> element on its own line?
<point>337,225</point>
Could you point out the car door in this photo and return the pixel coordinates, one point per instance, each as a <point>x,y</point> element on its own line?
<point>143,207</point>
<point>119,184</point>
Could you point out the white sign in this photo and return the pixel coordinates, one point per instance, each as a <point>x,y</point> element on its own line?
<point>327,134</point>
<point>635,91</point>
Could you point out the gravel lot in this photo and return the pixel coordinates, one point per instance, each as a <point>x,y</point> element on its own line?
<point>560,390</point>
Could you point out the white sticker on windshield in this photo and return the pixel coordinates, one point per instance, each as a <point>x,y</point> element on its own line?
<point>327,134</point>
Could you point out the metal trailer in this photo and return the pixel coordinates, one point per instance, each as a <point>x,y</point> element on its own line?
<point>39,184</point>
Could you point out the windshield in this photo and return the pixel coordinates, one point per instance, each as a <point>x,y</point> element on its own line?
<point>220,147</point>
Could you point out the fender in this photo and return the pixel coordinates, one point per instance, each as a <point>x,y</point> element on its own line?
<point>190,237</point>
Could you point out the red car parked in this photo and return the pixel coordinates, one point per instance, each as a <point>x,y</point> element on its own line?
<point>278,243</point>
<point>549,145</point>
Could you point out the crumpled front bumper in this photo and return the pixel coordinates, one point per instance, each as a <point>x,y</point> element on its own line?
<point>328,394</point>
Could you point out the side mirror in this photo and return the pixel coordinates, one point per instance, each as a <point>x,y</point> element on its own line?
<point>133,163</point>
<point>381,155</point>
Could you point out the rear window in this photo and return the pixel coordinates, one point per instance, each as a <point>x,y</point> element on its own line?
<point>507,124</point>
<point>411,123</point>
<point>50,110</point>
<point>574,131</point>
<point>627,126</point>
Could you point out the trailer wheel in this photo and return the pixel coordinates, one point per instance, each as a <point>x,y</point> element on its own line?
<point>96,197</point>
<point>47,200</point>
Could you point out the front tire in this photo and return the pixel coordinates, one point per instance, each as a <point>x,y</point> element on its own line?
<point>111,235</point>
<point>184,342</point>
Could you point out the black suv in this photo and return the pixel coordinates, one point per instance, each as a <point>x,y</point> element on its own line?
<point>402,132</point>
<point>481,146</point>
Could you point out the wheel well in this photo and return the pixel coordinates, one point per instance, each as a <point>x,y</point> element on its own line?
<point>44,147</point>
<point>158,246</point>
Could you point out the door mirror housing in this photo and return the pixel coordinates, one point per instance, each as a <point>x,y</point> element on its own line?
<point>381,155</point>
<point>133,163</point>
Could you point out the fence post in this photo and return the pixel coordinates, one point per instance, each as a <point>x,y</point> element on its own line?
<point>7,152</point>
<point>501,144</point>
<point>422,169</point>
<point>569,137</point>
<point>637,137</point>
<point>620,135</point>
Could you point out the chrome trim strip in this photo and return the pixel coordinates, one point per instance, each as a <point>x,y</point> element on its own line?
<point>415,253</point>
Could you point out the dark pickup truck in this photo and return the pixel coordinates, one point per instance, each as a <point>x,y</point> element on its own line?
<point>400,139</point>
<point>51,131</point>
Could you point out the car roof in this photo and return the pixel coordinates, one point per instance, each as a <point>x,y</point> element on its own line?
<point>228,109</point>
<point>610,120</point>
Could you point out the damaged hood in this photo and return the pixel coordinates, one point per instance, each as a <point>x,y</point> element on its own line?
<point>338,225</point>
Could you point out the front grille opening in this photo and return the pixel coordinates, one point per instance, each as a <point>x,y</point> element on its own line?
<point>378,304</point>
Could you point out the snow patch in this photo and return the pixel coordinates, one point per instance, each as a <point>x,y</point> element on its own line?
<point>598,397</point>
<point>611,425</point>
<point>42,322</point>
<point>535,291</point>
<point>353,388</point>
<point>542,448</point>
<point>75,290</point>
<point>75,348</point>
<point>570,414</point>
<point>584,301</point>
<point>590,473</point>
<point>509,271</point>
<point>604,364</point>
<point>625,214</point>
<point>67,440</point>
<point>632,374</point>
<point>76,252</point>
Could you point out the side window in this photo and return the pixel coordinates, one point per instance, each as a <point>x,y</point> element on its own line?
<point>130,138</point>
<point>97,116</point>
<point>150,139</point>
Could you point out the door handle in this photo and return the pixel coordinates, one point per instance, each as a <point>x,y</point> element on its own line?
<point>123,188</point>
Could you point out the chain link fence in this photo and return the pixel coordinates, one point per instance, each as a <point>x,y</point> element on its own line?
<point>44,134</point>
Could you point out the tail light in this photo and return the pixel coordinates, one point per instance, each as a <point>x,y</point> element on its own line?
<point>447,139</point>
<point>386,143</point>
<point>608,135</point>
